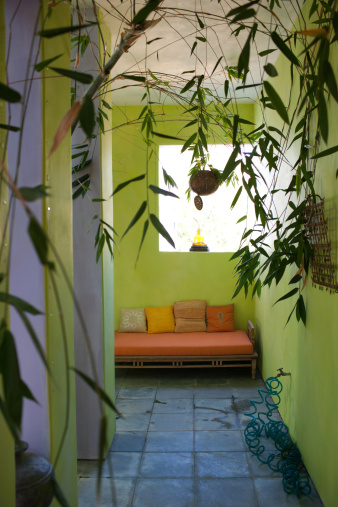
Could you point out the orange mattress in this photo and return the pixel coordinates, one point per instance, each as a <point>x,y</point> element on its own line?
<point>182,344</point>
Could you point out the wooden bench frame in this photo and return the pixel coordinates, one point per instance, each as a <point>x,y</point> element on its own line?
<point>228,361</point>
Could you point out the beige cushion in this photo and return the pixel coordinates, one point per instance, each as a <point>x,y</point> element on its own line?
<point>133,320</point>
<point>190,316</point>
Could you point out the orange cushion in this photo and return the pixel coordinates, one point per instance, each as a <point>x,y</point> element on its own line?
<point>220,318</point>
<point>160,320</point>
<point>187,344</point>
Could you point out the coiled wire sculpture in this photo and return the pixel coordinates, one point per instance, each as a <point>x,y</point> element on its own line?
<point>287,460</point>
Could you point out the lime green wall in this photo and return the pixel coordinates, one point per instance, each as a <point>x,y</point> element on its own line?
<point>107,262</point>
<point>310,353</point>
<point>161,278</point>
<point>7,471</point>
<point>58,224</point>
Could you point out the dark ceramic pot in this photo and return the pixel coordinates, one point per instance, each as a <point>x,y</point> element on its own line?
<point>33,476</point>
<point>204,182</point>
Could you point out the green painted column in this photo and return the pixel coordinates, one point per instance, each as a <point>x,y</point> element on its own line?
<point>7,470</point>
<point>107,264</point>
<point>57,213</point>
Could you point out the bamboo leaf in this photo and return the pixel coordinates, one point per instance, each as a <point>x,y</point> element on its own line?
<point>136,218</point>
<point>9,127</point>
<point>270,70</point>
<point>189,85</point>
<point>200,22</point>
<point>8,94</point>
<point>87,116</point>
<point>54,32</point>
<point>266,52</point>
<point>41,65</point>
<point>231,164</point>
<point>20,304</point>
<point>188,142</point>
<point>323,120</point>
<point>132,77</point>
<point>330,79</point>
<point>158,190</point>
<point>145,228</point>
<point>165,136</point>
<point>284,48</point>
<point>30,194</point>
<point>57,492</point>
<point>295,279</point>
<point>9,369</point>
<point>35,339</point>
<point>226,87</point>
<point>288,295</point>
<point>241,8</point>
<point>73,74</point>
<point>143,13</point>
<point>39,240</point>
<point>276,101</point>
<point>125,183</point>
<point>97,389</point>
<point>238,193</point>
<point>326,153</point>
<point>244,57</point>
<point>65,126</point>
<point>159,227</point>
<point>100,247</point>
<point>301,309</point>
<point>248,13</point>
<point>217,64</point>
<point>234,129</point>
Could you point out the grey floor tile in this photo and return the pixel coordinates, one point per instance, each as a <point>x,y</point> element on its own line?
<point>167,464</point>
<point>176,382</point>
<point>137,392</point>
<point>221,464</point>
<point>129,441</point>
<point>173,406</point>
<point>270,492</point>
<point>134,405</point>
<point>170,441</point>
<point>133,422</point>
<point>218,441</point>
<point>164,393</point>
<point>259,469</point>
<point>168,422</point>
<point>211,381</point>
<point>113,492</point>
<point>214,420</point>
<point>237,492</point>
<point>212,392</point>
<point>221,404</point>
<point>117,464</point>
<point>164,493</point>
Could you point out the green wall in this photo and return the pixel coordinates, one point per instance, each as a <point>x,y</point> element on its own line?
<point>57,211</point>
<point>161,278</point>
<point>310,353</point>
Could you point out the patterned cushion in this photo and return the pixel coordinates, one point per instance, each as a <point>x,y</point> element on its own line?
<point>160,320</point>
<point>189,316</point>
<point>220,318</point>
<point>133,320</point>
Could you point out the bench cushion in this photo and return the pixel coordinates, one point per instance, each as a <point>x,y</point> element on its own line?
<point>182,344</point>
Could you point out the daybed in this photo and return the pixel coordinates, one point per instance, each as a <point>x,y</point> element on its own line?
<point>182,349</point>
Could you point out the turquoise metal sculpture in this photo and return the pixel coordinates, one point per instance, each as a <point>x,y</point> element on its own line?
<point>287,460</point>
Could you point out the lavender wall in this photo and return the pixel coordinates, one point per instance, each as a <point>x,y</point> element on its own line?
<point>27,277</point>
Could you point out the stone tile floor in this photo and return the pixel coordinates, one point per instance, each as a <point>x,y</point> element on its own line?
<point>180,443</point>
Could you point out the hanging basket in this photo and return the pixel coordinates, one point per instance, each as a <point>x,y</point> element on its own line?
<point>204,182</point>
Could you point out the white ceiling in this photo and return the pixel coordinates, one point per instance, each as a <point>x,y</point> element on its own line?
<point>177,33</point>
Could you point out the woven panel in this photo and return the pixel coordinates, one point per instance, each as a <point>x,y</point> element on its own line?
<point>190,316</point>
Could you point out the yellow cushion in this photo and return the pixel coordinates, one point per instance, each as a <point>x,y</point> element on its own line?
<point>220,318</point>
<point>160,320</point>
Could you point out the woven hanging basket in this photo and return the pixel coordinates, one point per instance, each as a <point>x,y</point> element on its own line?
<point>204,183</point>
